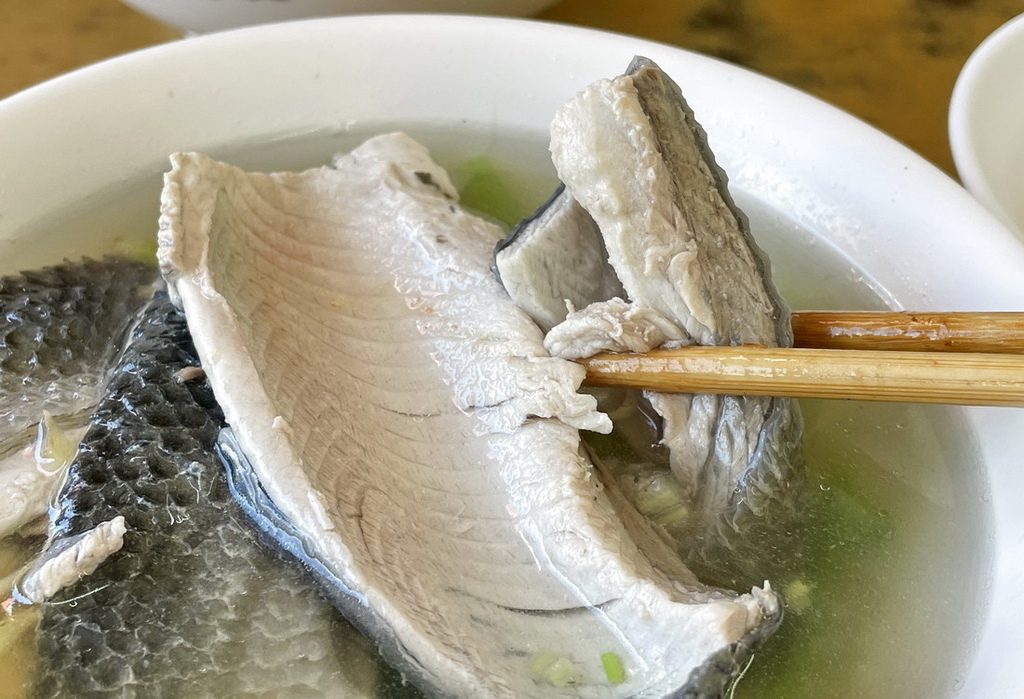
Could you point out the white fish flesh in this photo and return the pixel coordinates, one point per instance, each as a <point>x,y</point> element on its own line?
<point>555,261</point>
<point>403,417</point>
<point>630,152</point>
<point>79,556</point>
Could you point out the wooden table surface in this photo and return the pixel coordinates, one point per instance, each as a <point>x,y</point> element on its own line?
<point>890,62</point>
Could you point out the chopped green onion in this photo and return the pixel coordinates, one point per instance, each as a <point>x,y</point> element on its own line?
<point>613,669</point>
<point>798,596</point>
<point>555,669</point>
<point>141,250</point>
<point>484,188</point>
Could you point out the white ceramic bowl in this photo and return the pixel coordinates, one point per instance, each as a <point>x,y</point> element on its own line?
<point>820,179</point>
<point>201,16</point>
<point>986,123</point>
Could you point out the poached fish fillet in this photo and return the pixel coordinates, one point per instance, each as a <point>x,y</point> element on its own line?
<point>403,416</point>
<point>637,164</point>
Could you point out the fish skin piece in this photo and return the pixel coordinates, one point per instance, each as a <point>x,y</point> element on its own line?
<point>756,440</point>
<point>402,416</point>
<point>749,506</point>
<point>60,328</point>
<point>192,605</point>
<point>631,153</point>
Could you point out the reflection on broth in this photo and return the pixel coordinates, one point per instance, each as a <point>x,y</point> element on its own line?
<point>885,603</point>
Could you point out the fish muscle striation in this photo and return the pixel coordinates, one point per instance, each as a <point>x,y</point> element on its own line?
<point>403,416</point>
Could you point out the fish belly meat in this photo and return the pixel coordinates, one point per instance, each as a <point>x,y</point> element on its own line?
<point>631,153</point>
<point>192,604</point>
<point>405,420</point>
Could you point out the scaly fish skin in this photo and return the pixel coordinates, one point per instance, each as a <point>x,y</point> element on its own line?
<point>59,329</point>
<point>192,605</point>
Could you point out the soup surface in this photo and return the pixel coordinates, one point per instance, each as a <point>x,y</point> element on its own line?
<point>890,597</point>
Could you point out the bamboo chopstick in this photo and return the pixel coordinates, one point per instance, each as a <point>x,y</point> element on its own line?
<point>915,377</point>
<point>923,332</point>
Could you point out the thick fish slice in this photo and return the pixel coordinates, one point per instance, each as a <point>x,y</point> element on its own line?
<point>402,416</point>
<point>631,153</point>
<point>192,605</point>
<point>60,330</point>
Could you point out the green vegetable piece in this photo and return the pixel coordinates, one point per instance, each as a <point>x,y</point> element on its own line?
<point>555,669</point>
<point>613,668</point>
<point>483,188</point>
<point>141,250</point>
<point>661,499</point>
<point>798,596</point>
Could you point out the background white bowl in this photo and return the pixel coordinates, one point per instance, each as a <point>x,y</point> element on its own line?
<point>202,16</point>
<point>917,237</point>
<point>986,123</point>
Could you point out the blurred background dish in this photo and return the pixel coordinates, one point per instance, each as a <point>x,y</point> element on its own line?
<point>891,63</point>
<point>213,15</point>
<point>986,123</point>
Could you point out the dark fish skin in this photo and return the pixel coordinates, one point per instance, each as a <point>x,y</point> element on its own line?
<point>192,605</point>
<point>59,329</point>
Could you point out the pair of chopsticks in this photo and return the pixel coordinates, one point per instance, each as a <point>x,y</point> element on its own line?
<point>958,358</point>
